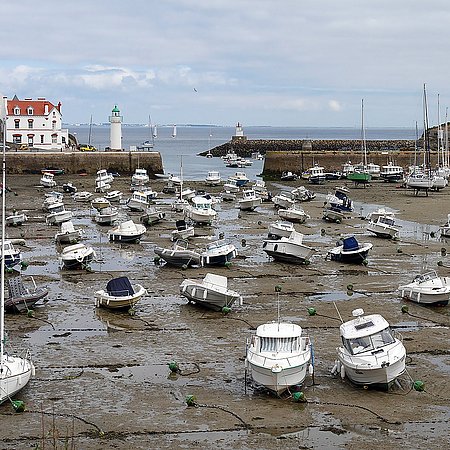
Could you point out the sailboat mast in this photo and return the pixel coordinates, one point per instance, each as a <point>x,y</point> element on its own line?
<point>426,136</point>
<point>90,131</point>
<point>2,264</point>
<point>439,137</point>
<point>363,136</point>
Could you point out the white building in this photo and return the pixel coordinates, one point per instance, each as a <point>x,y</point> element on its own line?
<point>37,123</point>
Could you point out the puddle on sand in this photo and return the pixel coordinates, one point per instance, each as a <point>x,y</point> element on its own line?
<point>326,437</point>
<point>332,296</point>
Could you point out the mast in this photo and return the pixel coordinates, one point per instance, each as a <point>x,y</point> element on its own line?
<point>439,137</point>
<point>2,264</point>
<point>363,137</point>
<point>90,131</point>
<point>426,136</point>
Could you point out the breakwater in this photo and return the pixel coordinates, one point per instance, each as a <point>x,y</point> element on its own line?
<point>299,155</point>
<point>79,162</point>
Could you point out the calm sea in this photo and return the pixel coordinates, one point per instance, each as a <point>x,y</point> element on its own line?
<point>191,140</point>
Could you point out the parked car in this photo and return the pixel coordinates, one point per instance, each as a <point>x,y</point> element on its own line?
<point>87,148</point>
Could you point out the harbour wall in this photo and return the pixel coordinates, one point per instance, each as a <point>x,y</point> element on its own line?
<point>299,155</point>
<point>79,162</point>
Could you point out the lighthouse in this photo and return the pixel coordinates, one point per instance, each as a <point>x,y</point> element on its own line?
<point>239,134</point>
<point>115,119</point>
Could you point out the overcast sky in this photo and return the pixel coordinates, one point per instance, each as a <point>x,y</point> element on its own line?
<point>259,62</point>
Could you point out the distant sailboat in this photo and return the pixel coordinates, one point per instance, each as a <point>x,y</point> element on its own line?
<point>155,132</point>
<point>149,144</point>
<point>174,131</point>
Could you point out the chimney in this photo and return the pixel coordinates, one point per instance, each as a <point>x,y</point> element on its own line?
<point>46,109</point>
<point>59,106</point>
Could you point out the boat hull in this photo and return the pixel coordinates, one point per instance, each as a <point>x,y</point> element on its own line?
<point>103,299</point>
<point>288,252</point>
<point>178,258</point>
<point>16,376</point>
<point>206,296</point>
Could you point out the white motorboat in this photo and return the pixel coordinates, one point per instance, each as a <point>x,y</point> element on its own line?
<point>83,196</point>
<point>47,180</point>
<point>340,199</point>
<point>218,253</point>
<point>373,216</point>
<point>371,353</point>
<point>384,227</point>
<point>259,186</point>
<point>182,231</point>
<point>288,176</point>
<point>294,213</point>
<point>350,251</point>
<point>104,176</point>
<point>302,194</point>
<point>213,178</point>
<point>12,255</point>
<point>151,216</point>
<point>391,172</point>
<point>315,175</point>
<point>102,186</point>
<point>54,197</point>
<point>445,229</point>
<point>283,200</point>
<point>289,249</point>
<point>240,178</point>
<point>249,201</point>
<point>419,180</point>
<point>179,255</point>
<point>428,289</point>
<point>138,201</point>
<point>113,196</point>
<point>231,186</point>
<point>128,232</point>
<point>68,234</point>
<point>228,196</point>
<point>211,292</point>
<point>140,176</point>
<point>333,214</point>
<point>119,294</point>
<point>69,188</point>
<point>58,214</point>
<point>106,216</point>
<point>77,256</point>
<point>15,370</point>
<point>16,219</point>
<point>100,203</point>
<point>280,229</point>
<point>279,356</point>
<point>201,210</point>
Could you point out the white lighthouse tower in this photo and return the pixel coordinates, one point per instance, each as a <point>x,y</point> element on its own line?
<point>115,119</point>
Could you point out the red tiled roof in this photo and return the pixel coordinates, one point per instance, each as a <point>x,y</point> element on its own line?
<point>37,105</point>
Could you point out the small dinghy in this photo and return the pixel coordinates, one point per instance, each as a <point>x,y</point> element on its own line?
<point>350,251</point>
<point>69,188</point>
<point>77,256</point>
<point>332,214</point>
<point>302,194</point>
<point>211,292</point>
<point>100,203</point>
<point>179,255</point>
<point>68,234</point>
<point>289,249</point>
<point>428,289</point>
<point>11,254</point>
<point>128,232</point>
<point>16,219</point>
<point>371,353</point>
<point>151,216</point>
<point>280,229</point>
<point>218,253</point>
<point>113,196</point>
<point>20,297</point>
<point>294,213</point>
<point>119,294</point>
<point>47,180</point>
<point>83,196</point>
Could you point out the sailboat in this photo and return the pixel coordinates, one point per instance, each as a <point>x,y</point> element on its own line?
<point>422,179</point>
<point>155,132</point>
<point>148,144</point>
<point>174,131</point>
<point>15,371</point>
<point>360,173</point>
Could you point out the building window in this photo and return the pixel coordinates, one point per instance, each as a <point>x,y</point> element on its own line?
<point>30,123</point>
<point>54,137</point>
<point>54,125</point>
<point>42,138</point>
<point>30,141</point>
<point>16,123</point>
<point>17,139</point>
<point>63,139</point>
<point>30,111</point>
<point>17,111</point>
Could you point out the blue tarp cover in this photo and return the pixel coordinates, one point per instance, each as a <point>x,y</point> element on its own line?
<point>351,243</point>
<point>119,287</point>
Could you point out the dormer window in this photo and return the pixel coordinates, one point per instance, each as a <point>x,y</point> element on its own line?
<point>30,111</point>
<point>16,111</point>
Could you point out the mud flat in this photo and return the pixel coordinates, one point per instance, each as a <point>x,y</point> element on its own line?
<point>102,378</point>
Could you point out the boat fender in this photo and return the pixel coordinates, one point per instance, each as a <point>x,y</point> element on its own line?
<point>311,370</point>
<point>334,370</point>
<point>342,370</point>
<point>33,370</point>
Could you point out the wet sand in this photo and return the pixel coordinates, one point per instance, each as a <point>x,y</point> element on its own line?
<point>102,378</point>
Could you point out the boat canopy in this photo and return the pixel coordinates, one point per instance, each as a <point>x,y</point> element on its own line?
<point>363,326</point>
<point>119,287</point>
<point>350,243</point>
<point>279,330</point>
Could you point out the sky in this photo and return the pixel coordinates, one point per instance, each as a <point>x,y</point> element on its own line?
<point>302,63</point>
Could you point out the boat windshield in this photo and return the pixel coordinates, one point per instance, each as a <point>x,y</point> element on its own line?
<point>367,343</point>
<point>286,344</point>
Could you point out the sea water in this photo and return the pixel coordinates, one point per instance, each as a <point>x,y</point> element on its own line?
<point>182,150</point>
